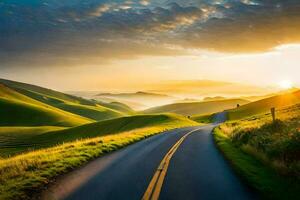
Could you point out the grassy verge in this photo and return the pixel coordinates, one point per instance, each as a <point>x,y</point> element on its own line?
<point>253,164</point>
<point>26,174</point>
<point>277,144</point>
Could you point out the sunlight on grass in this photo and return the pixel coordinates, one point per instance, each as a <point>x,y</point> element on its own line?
<point>276,145</point>
<point>25,174</point>
<point>264,105</point>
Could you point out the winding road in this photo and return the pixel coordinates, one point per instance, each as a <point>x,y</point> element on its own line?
<point>178,164</point>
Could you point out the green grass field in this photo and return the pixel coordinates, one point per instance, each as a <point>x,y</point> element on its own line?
<point>197,108</point>
<point>12,139</point>
<point>274,145</point>
<point>25,174</point>
<point>23,142</point>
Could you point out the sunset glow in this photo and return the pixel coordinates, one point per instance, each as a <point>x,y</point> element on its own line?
<point>286,84</point>
<point>149,99</point>
<point>102,46</point>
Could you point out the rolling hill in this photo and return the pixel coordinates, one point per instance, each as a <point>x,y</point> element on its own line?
<point>20,110</point>
<point>117,106</point>
<point>112,126</point>
<point>198,108</point>
<point>14,140</point>
<point>92,110</point>
<point>265,105</point>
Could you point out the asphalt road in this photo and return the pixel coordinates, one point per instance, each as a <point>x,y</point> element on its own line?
<point>197,170</point>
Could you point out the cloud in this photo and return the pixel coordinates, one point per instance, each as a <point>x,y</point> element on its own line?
<point>100,10</point>
<point>145,2</point>
<point>68,52</point>
<point>248,27</point>
<point>77,32</point>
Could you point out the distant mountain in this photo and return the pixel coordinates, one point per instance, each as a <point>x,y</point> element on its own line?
<point>197,108</point>
<point>134,95</point>
<point>218,98</point>
<point>139,100</point>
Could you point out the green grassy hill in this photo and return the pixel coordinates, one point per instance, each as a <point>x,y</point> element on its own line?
<point>266,153</point>
<point>41,138</point>
<point>71,104</point>
<point>264,105</point>
<point>92,110</point>
<point>20,110</point>
<point>198,108</point>
<point>12,139</point>
<point>44,91</point>
<point>109,127</point>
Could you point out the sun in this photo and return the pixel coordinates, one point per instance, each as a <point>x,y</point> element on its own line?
<point>285,84</point>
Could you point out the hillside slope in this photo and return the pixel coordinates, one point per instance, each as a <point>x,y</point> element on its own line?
<point>102,128</point>
<point>20,110</point>
<point>112,126</point>
<point>198,108</point>
<point>72,104</point>
<point>265,105</point>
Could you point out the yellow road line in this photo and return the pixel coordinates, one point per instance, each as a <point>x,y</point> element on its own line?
<point>155,185</point>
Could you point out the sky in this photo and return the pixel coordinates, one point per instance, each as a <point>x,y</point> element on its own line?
<point>124,45</point>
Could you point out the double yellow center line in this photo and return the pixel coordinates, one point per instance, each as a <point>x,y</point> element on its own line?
<point>154,188</point>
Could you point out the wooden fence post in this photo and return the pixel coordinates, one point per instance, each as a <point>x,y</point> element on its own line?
<point>273,112</point>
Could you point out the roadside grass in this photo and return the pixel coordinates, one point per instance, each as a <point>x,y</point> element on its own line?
<point>25,175</point>
<point>266,153</point>
<point>259,176</point>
